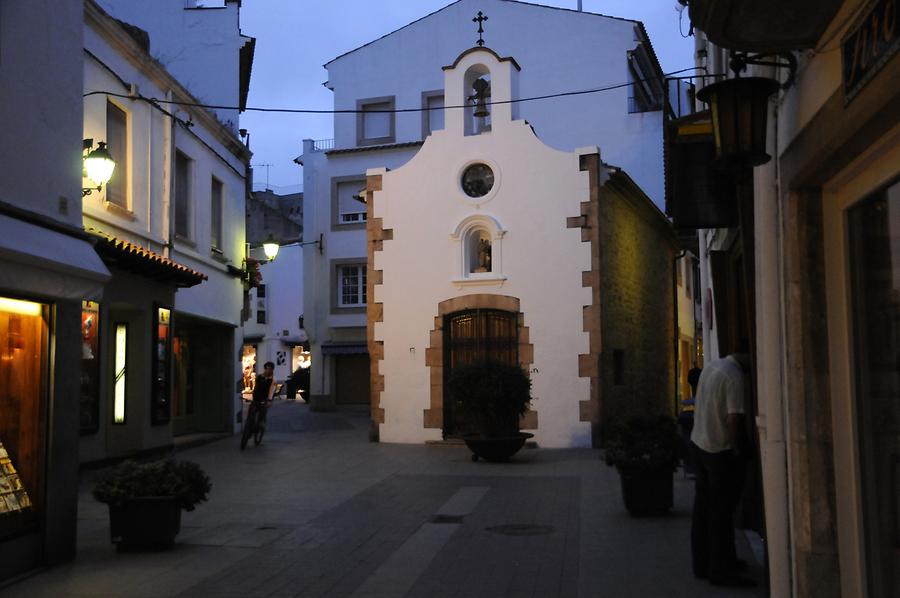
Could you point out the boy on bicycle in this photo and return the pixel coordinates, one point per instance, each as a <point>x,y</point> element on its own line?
<point>263,390</point>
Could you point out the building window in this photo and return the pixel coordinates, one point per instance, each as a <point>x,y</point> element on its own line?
<point>347,208</point>
<point>215,214</point>
<point>182,195</point>
<point>433,113</point>
<point>352,285</point>
<point>117,144</point>
<point>24,335</point>
<point>119,373</point>
<point>375,121</point>
<point>350,209</point>
<point>618,367</point>
<point>260,316</point>
<point>261,291</point>
<point>160,409</point>
<point>89,401</point>
<point>646,85</point>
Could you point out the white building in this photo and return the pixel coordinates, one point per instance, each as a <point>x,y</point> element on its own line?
<point>200,44</point>
<point>490,245</point>
<point>561,51</point>
<point>170,225</point>
<point>47,267</point>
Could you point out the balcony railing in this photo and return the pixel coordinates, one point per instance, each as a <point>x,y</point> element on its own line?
<point>321,145</point>
<point>681,93</point>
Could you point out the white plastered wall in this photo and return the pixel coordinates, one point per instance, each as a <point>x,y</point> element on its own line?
<point>536,188</point>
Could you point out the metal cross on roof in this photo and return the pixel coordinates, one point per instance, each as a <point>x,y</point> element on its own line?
<point>480,19</point>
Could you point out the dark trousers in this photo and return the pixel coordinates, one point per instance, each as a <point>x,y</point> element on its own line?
<point>718,487</point>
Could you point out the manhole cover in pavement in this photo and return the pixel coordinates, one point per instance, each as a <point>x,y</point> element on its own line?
<point>520,529</point>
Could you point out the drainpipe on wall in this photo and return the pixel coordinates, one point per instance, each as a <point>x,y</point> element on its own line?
<point>783,575</point>
<point>169,192</point>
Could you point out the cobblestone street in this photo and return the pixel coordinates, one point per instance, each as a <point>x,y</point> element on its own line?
<point>317,510</point>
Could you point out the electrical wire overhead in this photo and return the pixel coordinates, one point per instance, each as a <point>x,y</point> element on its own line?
<point>157,101</point>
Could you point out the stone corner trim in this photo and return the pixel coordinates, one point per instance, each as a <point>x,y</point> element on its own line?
<point>375,235</point>
<point>589,223</point>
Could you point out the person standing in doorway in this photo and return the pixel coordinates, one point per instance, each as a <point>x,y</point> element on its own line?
<point>720,462</point>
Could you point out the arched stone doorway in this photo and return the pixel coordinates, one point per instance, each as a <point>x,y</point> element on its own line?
<point>469,328</point>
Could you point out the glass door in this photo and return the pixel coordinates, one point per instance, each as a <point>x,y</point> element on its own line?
<point>874,258</point>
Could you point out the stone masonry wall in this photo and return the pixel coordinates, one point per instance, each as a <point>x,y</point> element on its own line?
<point>637,304</point>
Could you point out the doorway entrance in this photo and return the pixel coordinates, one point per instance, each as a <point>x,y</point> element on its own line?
<point>472,336</point>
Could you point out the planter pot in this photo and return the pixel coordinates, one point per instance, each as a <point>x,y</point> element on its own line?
<point>145,523</point>
<point>647,492</point>
<point>499,448</point>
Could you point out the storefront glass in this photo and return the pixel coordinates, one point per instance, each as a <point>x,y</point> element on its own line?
<point>248,367</point>
<point>160,410</point>
<point>90,368</point>
<point>874,241</point>
<point>23,386</point>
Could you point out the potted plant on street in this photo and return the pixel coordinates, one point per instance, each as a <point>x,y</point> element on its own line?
<point>645,453</point>
<point>145,500</point>
<point>489,398</point>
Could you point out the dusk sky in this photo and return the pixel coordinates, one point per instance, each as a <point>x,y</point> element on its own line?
<point>294,38</point>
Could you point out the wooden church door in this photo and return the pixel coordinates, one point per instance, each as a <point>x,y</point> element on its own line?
<point>473,336</point>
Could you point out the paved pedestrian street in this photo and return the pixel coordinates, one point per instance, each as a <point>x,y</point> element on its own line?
<point>317,510</point>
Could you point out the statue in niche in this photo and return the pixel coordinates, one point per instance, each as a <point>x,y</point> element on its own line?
<point>484,256</point>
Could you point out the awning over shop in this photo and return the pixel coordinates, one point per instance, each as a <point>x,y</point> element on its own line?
<point>140,260</point>
<point>40,261</point>
<point>345,349</point>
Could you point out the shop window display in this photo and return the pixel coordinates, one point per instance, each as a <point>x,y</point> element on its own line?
<point>248,367</point>
<point>161,409</point>
<point>90,368</point>
<point>23,377</point>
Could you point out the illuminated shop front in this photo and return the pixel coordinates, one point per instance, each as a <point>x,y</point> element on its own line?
<point>23,405</point>
<point>248,367</point>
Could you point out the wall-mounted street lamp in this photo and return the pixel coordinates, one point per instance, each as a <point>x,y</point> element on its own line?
<point>270,247</point>
<point>98,165</point>
<point>739,109</point>
<point>740,106</point>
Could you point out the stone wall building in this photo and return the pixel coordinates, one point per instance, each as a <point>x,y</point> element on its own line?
<point>809,271</point>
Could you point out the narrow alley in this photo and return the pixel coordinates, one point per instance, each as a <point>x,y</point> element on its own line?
<point>317,510</point>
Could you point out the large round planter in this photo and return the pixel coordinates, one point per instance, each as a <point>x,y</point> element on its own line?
<point>499,448</point>
<point>647,492</point>
<point>145,523</point>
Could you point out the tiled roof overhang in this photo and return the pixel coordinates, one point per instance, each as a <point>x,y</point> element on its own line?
<point>140,260</point>
<point>374,148</point>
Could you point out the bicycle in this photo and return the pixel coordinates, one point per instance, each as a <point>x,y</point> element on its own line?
<point>255,425</point>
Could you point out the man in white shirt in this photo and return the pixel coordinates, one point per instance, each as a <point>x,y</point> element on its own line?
<point>716,440</point>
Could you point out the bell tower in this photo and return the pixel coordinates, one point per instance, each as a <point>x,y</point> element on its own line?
<point>485,84</point>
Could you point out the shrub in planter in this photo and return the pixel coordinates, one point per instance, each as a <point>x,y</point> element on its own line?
<point>645,453</point>
<point>489,398</point>
<point>145,500</point>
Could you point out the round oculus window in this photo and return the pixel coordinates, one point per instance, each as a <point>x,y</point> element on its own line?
<point>477,180</point>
